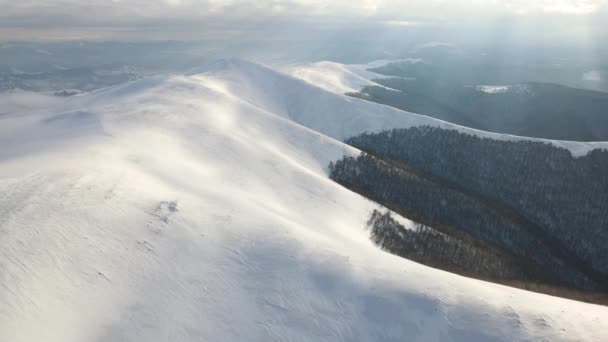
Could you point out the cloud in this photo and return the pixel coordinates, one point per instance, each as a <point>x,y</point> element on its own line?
<point>576,7</point>
<point>202,8</point>
<point>113,18</point>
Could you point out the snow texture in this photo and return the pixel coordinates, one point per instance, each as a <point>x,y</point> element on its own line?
<point>198,208</point>
<point>493,89</point>
<point>335,77</point>
<point>372,117</point>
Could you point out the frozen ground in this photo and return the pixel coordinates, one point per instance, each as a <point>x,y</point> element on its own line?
<point>197,208</point>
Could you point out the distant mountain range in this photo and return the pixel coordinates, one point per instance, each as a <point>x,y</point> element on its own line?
<point>541,110</point>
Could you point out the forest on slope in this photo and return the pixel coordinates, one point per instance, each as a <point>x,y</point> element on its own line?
<point>537,206</point>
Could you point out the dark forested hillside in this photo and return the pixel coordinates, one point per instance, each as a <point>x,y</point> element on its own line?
<point>529,200</point>
<point>539,110</point>
<point>452,250</point>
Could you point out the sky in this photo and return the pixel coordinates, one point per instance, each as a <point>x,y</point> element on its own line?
<point>224,19</point>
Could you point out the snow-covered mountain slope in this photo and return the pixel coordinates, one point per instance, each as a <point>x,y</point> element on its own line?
<point>332,114</point>
<point>189,209</point>
<point>340,78</point>
<point>335,77</point>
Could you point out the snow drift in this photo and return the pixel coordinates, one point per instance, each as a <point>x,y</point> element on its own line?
<point>198,208</point>
<point>341,79</point>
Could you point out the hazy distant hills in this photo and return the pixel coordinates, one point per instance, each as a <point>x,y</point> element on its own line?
<point>532,109</point>
<point>449,64</point>
<point>488,101</point>
<point>60,80</point>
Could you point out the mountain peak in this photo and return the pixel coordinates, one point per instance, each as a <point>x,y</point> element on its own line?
<point>226,64</point>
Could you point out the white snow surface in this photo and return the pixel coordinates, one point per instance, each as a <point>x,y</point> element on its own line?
<point>341,78</point>
<point>198,208</point>
<point>493,89</point>
<point>336,78</point>
<point>501,89</point>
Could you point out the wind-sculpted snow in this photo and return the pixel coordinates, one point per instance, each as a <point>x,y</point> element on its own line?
<point>189,209</point>
<point>340,79</point>
<point>335,77</point>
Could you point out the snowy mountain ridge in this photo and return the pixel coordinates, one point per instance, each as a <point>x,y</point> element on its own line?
<point>198,207</point>
<point>349,116</point>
